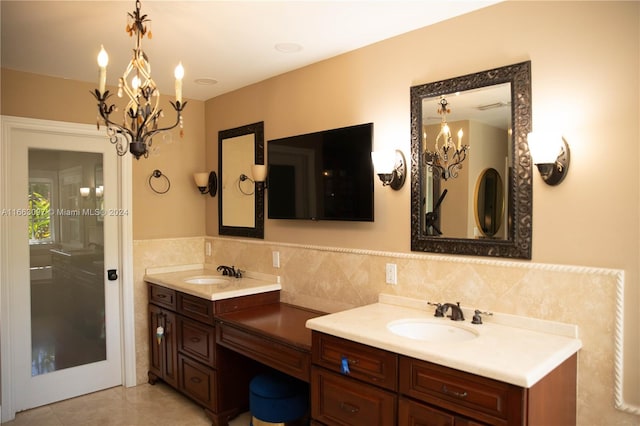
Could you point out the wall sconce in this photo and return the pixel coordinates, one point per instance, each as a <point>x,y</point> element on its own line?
<point>99,191</point>
<point>85,192</point>
<point>390,166</point>
<point>207,183</point>
<point>551,155</point>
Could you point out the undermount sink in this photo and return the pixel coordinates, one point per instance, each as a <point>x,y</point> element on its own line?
<point>206,279</point>
<point>430,330</point>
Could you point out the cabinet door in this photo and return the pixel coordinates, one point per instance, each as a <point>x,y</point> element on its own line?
<point>162,352</point>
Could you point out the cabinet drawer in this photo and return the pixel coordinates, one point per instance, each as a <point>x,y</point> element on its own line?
<point>366,363</point>
<point>196,308</point>
<point>455,390</point>
<point>273,353</point>
<point>413,413</point>
<point>198,382</point>
<point>162,296</point>
<point>340,400</point>
<point>197,340</point>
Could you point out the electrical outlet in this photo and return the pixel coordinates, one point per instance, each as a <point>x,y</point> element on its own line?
<point>392,273</point>
<point>276,259</point>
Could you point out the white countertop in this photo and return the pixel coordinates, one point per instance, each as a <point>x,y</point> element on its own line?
<point>511,349</point>
<point>175,278</point>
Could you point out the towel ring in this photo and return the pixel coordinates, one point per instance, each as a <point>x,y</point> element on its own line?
<point>158,174</point>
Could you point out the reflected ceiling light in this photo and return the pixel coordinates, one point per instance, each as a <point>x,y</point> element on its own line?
<point>140,119</point>
<point>446,158</point>
<point>550,154</point>
<point>288,47</point>
<point>206,81</point>
<point>390,166</point>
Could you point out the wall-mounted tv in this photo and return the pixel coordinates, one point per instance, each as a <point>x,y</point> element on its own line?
<point>325,175</point>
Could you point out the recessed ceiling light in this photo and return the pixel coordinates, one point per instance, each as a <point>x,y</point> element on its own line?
<point>206,81</point>
<point>288,47</point>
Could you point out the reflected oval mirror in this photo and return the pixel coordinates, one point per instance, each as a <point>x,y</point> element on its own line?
<point>487,117</point>
<point>489,204</point>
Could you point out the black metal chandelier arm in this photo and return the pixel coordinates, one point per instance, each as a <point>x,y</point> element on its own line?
<point>178,107</point>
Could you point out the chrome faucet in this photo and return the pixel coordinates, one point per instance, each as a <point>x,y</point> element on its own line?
<point>456,311</point>
<point>230,271</point>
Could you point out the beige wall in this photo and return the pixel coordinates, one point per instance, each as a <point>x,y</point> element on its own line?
<point>179,212</point>
<point>585,81</point>
<point>585,66</point>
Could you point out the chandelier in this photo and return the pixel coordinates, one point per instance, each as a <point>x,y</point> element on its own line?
<point>140,118</point>
<point>447,158</point>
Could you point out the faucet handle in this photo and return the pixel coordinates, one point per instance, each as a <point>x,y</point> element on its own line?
<point>439,309</point>
<point>477,319</point>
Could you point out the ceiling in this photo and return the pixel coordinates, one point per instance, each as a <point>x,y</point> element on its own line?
<point>231,42</point>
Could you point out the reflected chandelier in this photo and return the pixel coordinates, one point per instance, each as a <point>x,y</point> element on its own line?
<point>446,159</point>
<point>140,118</point>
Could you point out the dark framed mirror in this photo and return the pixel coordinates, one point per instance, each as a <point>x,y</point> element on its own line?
<point>240,200</point>
<point>492,109</point>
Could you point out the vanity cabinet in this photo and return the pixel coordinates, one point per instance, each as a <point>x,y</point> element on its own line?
<point>351,383</point>
<point>356,384</point>
<point>187,357</point>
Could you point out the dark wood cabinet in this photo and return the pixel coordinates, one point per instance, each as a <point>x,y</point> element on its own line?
<point>379,384</point>
<point>341,400</point>
<point>163,361</point>
<point>187,357</point>
<point>352,384</point>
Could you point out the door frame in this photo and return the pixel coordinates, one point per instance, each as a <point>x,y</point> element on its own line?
<point>124,189</point>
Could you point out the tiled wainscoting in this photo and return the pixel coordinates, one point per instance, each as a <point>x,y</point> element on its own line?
<point>334,279</point>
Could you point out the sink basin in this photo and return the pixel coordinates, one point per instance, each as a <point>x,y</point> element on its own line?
<point>430,330</point>
<point>206,279</point>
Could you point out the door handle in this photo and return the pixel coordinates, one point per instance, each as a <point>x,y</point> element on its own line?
<point>112,274</point>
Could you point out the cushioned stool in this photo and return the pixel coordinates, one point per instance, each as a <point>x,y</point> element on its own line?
<point>277,399</point>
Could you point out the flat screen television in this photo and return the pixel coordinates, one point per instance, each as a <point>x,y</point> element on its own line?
<point>324,175</point>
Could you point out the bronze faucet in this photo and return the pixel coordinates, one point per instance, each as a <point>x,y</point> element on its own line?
<point>456,312</point>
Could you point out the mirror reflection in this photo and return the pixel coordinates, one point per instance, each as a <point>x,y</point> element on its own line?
<point>240,201</point>
<point>489,205</point>
<point>460,129</point>
<point>478,124</point>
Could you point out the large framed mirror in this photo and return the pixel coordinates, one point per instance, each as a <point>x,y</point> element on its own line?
<point>241,200</point>
<point>490,112</point>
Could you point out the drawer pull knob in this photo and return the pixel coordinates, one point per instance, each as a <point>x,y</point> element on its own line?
<point>162,296</point>
<point>460,395</point>
<point>345,406</point>
<point>196,379</point>
<point>195,339</point>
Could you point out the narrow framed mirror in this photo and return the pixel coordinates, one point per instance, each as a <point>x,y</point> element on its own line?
<point>488,115</point>
<point>241,200</point>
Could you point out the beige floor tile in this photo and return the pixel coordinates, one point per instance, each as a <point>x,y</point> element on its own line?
<point>143,405</point>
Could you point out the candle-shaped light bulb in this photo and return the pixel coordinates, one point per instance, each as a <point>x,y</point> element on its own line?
<point>179,74</point>
<point>135,82</point>
<point>460,133</point>
<point>103,61</point>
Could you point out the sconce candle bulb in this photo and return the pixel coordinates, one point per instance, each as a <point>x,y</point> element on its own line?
<point>207,183</point>
<point>390,166</point>
<point>551,156</point>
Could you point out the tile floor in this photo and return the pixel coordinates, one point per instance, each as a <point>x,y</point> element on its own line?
<point>143,405</point>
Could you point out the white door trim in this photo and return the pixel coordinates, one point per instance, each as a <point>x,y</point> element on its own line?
<point>9,124</point>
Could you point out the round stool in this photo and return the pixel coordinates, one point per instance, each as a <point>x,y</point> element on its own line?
<point>275,398</point>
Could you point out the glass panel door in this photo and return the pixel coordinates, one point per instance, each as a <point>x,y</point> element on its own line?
<point>66,241</point>
<point>61,319</point>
